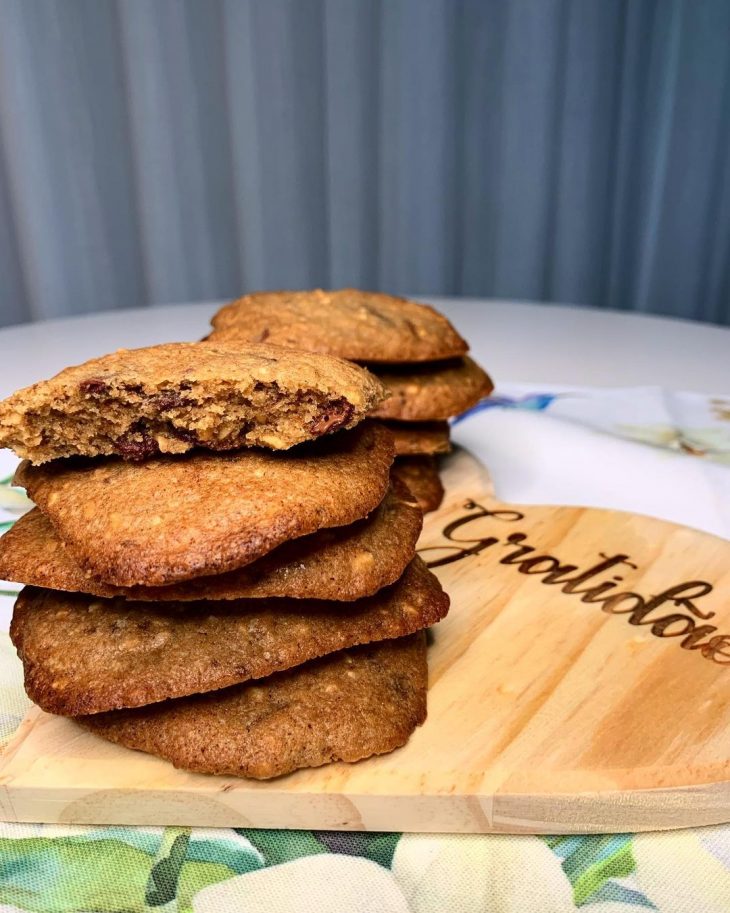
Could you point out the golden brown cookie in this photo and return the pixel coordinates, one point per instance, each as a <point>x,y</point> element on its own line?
<point>169,398</point>
<point>424,393</point>
<point>345,707</point>
<point>362,326</point>
<point>421,475</point>
<point>178,517</point>
<point>86,655</point>
<point>417,438</point>
<point>343,563</point>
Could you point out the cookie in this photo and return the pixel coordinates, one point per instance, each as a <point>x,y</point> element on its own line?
<point>421,475</point>
<point>425,393</point>
<point>169,398</point>
<point>362,326</point>
<point>178,517</point>
<point>414,438</point>
<point>344,563</point>
<point>345,707</point>
<point>85,655</point>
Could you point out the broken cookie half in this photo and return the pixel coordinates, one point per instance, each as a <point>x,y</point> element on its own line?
<point>170,398</point>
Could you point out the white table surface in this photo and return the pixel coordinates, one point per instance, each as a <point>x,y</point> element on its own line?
<point>550,344</point>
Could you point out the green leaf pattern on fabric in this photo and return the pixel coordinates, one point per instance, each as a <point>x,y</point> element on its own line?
<point>130,869</point>
<point>277,847</point>
<point>165,873</point>
<point>62,875</point>
<point>590,863</point>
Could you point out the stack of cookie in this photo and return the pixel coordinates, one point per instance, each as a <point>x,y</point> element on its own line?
<point>410,347</point>
<point>220,569</point>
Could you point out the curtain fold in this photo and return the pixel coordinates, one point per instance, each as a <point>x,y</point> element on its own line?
<point>169,150</point>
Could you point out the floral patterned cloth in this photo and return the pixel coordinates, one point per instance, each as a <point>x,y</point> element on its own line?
<point>82,869</point>
<point>691,423</point>
<point>54,869</point>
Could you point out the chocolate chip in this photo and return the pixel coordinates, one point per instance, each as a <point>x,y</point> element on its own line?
<point>136,444</point>
<point>93,385</point>
<point>182,434</point>
<point>333,416</point>
<point>171,399</point>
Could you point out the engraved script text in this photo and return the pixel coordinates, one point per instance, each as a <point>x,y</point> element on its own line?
<point>671,613</point>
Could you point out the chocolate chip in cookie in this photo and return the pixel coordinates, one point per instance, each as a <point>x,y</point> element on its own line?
<point>170,398</point>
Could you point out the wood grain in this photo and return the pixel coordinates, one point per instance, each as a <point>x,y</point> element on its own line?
<point>547,713</point>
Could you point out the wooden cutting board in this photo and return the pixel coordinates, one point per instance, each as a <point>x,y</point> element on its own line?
<point>581,683</point>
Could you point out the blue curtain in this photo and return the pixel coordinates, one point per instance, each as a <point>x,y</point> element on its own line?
<point>170,150</point>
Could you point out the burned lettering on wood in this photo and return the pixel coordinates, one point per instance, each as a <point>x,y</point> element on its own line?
<point>671,613</point>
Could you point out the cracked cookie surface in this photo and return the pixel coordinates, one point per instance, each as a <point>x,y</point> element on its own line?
<point>348,322</point>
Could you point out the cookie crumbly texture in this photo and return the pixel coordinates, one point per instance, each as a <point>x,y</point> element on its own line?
<point>421,475</point>
<point>175,518</point>
<point>136,403</point>
<point>343,564</point>
<point>415,438</point>
<point>84,655</point>
<point>345,707</point>
<point>426,393</point>
<point>350,323</point>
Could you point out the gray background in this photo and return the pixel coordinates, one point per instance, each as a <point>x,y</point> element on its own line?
<point>169,150</point>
